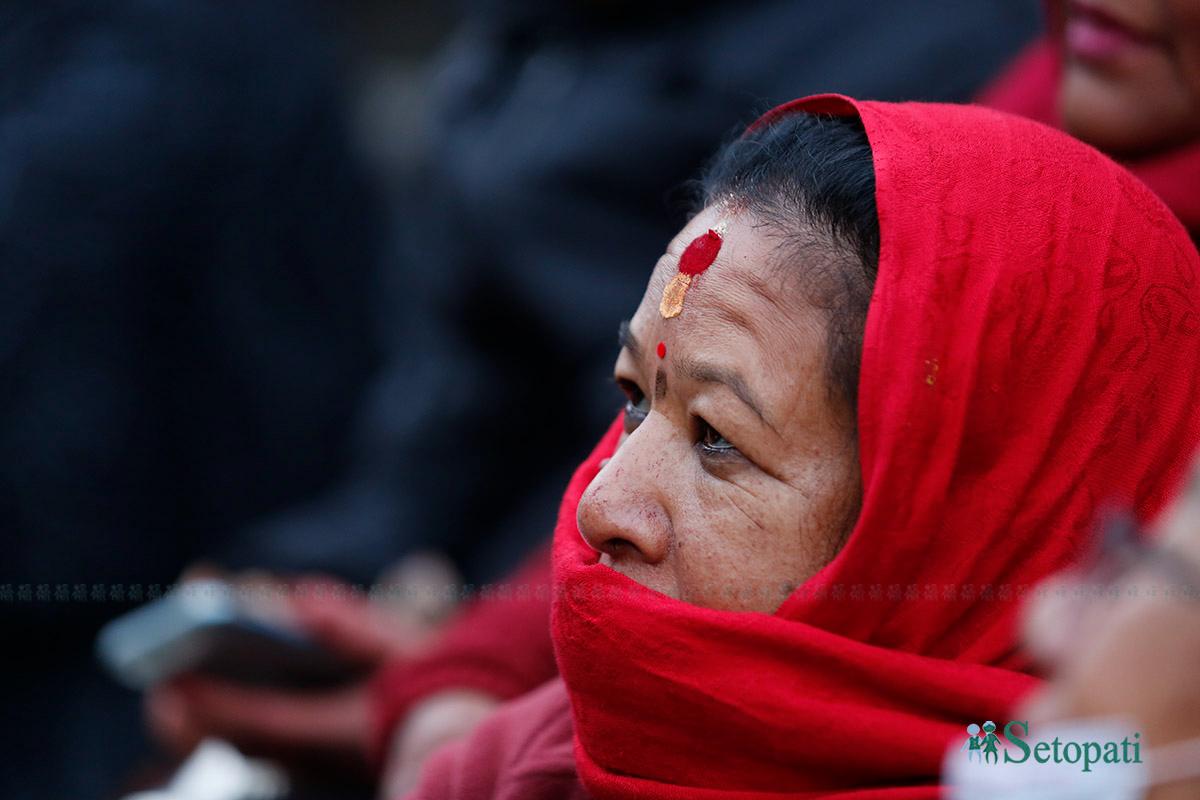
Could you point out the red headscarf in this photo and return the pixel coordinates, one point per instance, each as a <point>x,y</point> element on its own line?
<point>1030,88</point>
<point>1030,353</point>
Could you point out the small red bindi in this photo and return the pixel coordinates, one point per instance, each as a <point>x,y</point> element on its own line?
<point>662,350</point>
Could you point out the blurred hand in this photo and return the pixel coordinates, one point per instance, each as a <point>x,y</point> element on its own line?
<point>293,726</point>
<point>1130,651</point>
<point>439,719</point>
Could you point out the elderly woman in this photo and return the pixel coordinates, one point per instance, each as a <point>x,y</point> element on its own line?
<point>875,388</point>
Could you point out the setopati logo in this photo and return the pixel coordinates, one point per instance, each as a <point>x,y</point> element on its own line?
<point>1081,759</point>
<point>1018,746</point>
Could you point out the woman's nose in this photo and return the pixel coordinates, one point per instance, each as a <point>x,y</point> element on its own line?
<point>622,513</point>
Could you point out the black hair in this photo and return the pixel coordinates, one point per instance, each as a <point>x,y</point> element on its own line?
<point>811,180</point>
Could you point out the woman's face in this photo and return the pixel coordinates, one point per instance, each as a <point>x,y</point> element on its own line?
<point>737,477</point>
<point>1131,74</point>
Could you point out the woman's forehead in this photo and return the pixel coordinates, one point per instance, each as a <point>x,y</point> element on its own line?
<point>738,304</point>
<point>747,259</point>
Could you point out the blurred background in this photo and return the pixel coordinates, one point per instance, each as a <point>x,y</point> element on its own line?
<point>311,287</point>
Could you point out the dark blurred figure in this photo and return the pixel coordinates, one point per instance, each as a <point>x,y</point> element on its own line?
<point>185,255</point>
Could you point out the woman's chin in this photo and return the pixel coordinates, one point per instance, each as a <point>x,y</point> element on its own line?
<point>1118,116</point>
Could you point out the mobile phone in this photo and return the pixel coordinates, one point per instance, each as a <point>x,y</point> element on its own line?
<point>207,627</point>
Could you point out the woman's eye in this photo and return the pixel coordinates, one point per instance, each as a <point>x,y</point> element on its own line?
<point>713,443</point>
<point>637,405</point>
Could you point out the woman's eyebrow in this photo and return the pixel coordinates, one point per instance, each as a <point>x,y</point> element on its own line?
<point>711,373</point>
<point>627,340</point>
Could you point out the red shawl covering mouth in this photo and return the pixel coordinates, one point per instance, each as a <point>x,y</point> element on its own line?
<point>1030,88</point>
<point>1030,353</point>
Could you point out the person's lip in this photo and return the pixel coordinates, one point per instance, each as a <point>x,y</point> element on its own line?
<point>1094,34</point>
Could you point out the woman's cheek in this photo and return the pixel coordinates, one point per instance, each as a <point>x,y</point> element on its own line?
<point>1183,17</point>
<point>749,509</point>
<point>740,553</point>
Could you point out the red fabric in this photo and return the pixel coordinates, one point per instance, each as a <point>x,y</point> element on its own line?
<point>499,645</point>
<point>1030,354</point>
<point>1030,88</point>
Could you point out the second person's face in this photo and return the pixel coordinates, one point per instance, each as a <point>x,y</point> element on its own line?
<point>1131,72</point>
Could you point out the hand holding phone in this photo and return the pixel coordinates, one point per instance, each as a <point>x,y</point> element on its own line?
<point>216,628</point>
<point>290,717</point>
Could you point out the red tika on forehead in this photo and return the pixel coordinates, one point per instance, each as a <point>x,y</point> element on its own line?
<point>698,257</point>
<point>701,253</point>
